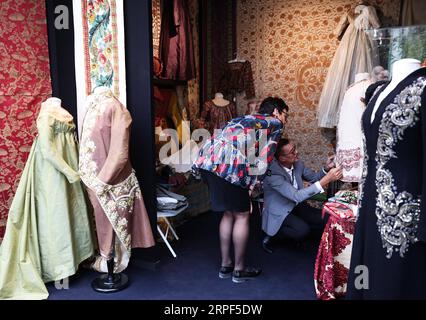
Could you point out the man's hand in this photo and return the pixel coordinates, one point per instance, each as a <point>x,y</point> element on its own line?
<point>333,175</point>
<point>330,163</point>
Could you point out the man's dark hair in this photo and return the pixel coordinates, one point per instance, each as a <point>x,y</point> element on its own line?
<point>283,142</point>
<point>269,104</point>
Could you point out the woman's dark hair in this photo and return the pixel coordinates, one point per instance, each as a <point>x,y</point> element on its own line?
<point>283,142</point>
<point>269,104</point>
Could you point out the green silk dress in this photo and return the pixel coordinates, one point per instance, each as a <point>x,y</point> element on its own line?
<point>48,231</point>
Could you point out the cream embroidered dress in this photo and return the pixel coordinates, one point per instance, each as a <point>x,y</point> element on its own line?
<point>349,151</point>
<point>48,232</point>
<point>112,185</point>
<point>354,55</point>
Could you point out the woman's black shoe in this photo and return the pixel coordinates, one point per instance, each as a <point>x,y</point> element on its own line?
<point>225,272</point>
<point>245,275</point>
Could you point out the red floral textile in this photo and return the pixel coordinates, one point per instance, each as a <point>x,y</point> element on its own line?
<point>334,254</point>
<point>24,84</point>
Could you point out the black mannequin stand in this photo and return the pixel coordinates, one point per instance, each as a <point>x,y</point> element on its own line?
<point>110,282</point>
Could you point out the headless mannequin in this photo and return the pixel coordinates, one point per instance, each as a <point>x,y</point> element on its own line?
<point>219,100</point>
<point>400,70</point>
<point>54,102</point>
<point>110,282</point>
<point>361,76</point>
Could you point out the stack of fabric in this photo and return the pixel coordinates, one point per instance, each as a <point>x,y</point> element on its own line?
<point>169,201</point>
<point>344,199</point>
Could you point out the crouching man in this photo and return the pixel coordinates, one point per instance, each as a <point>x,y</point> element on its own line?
<point>285,214</point>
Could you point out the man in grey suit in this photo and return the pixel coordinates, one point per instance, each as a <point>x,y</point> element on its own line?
<point>285,214</point>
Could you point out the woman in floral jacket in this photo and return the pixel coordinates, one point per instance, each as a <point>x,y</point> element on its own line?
<point>232,163</point>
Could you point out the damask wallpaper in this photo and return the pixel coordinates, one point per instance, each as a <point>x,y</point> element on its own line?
<point>24,84</point>
<point>290,45</point>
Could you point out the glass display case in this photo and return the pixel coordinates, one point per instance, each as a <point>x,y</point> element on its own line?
<point>392,44</point>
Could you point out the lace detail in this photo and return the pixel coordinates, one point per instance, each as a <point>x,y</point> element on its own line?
<point>114,198</point>
<point>364,171</point>
<point>397,213</point>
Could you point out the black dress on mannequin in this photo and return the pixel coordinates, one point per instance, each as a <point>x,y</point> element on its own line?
<point>390,231</point>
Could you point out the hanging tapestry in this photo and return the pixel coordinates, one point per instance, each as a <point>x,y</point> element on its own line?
<point>24,84</point>
<point>99,50</point>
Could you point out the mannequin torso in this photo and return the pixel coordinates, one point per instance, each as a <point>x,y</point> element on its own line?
<point>361,76</point>
<point>217,112</point>
<point>219,100</point>
<point>54,102</point>
<point>400,70</point>
<point>53,106</point>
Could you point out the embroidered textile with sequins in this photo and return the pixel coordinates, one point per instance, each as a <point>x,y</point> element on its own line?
<point>397,213</point>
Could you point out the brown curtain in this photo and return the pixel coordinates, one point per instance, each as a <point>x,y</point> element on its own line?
<point>413,12</point>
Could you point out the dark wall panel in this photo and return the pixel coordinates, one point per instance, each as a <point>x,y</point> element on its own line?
<point>61,57</point>
<point>138,35</point>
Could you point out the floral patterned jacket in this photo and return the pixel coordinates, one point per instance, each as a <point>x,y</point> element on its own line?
<point>241,151</point>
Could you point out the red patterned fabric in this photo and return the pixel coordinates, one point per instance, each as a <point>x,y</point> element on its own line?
<point>334,254</point>
<point>24,84</point>
<point>216,117</point>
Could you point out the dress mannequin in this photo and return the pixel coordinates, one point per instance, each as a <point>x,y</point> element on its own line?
<point>120,215</point>
<point>219,100</point>
<point>349,151</point>
<point>48,231</point>
<point>217,112</point>
<point>390,231</point>
<point>400,70</point>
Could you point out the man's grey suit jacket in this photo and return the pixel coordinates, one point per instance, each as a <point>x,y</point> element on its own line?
<point>281,196</point>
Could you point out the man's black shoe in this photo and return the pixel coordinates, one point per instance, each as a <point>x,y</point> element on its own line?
<point>266,244</point>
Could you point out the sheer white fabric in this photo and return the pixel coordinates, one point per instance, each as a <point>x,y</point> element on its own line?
<point>354,55</point>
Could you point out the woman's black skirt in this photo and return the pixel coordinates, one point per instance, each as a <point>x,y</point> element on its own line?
<point>224,195</point>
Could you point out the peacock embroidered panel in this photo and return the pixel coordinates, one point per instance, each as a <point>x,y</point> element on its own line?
<point>99,49</point>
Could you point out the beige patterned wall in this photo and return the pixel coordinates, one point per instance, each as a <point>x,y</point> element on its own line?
<point>290,44</point>
<point>156,27</point>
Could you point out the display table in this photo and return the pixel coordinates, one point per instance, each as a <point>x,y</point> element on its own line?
<point>334,253</point>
